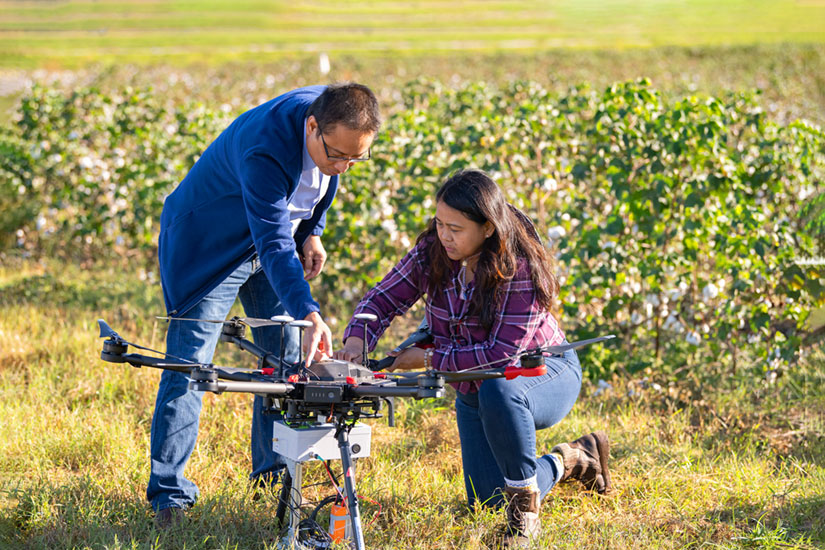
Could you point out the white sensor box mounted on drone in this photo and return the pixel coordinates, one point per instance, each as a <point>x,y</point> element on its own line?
<point>301,444</point>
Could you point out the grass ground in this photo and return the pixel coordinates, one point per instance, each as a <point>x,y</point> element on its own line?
<point>72,34</point>
<point>734,467</point>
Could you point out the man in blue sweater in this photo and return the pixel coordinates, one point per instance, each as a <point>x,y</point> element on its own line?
<point>246,222</point>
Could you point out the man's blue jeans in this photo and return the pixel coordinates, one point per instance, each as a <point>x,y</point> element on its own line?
<point>497,427</point>
<point>177,409</point>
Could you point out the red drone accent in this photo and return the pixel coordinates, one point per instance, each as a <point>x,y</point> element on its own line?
<point>515,372</point>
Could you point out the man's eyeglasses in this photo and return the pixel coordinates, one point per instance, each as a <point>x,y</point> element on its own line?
<point>338,157</point>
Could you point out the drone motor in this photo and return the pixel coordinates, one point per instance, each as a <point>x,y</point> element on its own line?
<point>113,351</point>
<point>232,330</point>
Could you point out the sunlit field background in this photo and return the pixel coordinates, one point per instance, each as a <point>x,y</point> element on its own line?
<point>717,418</point>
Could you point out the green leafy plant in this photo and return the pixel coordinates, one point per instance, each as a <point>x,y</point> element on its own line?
<point>676,223</point>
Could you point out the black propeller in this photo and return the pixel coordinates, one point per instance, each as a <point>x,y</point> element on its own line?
<point>107,332</point>
<point>251,322</point>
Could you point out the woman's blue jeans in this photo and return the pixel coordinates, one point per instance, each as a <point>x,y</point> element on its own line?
<point>497,427</point>
<point>177,409</point>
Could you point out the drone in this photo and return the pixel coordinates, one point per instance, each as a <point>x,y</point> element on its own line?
<point>319,406</point>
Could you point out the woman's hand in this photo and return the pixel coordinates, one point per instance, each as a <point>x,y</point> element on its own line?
<point>410,359</point>
<point>352,350</point>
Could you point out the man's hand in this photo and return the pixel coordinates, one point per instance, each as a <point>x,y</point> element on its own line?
<point>314,257</point>
<point>317,339</point>
<point>353,349</point>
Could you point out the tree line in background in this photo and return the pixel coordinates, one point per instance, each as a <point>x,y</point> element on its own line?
<point>690,227</point>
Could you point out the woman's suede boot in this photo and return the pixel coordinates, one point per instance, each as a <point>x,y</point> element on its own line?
<point>522,516</point>
<point>585,460</point>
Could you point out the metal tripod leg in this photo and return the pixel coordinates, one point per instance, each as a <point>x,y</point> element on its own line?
<point>342,436</point>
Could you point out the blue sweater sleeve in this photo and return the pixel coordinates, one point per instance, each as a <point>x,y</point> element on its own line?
<point>265,187</point>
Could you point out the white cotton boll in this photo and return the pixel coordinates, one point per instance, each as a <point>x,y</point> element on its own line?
<point>389,226</point>
<point>710,292</point>
<point>806,191</point>
<point>555,233</point>
<point>635,318</point>
<point>609,245</point>
<point>693,338</point>
<point>653,299</point>
<point>550,185</point>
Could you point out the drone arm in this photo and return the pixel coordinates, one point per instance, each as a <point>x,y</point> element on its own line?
<point>268,359</point>
<point>271,389</point>
<point>138,360</point>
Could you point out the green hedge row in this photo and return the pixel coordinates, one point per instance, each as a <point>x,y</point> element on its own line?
<point>678,225</point>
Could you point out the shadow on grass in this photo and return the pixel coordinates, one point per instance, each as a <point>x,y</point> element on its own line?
<point>82,515</point>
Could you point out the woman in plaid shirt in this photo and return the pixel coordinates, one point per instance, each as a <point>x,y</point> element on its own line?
<point>488,289</point>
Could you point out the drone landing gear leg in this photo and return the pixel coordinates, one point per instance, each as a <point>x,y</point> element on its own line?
<point>342,435</point>
<point>293,499</point>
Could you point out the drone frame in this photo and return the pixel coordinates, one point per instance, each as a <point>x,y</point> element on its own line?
<point>341,392</point>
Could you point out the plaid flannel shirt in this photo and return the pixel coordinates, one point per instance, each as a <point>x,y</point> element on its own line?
<point>460,340</point>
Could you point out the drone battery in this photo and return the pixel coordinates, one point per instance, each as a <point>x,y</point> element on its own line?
<point>325,393</point>
<point>301,444</point>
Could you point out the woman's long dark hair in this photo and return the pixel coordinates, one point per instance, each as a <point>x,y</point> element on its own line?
<point>476,195</point>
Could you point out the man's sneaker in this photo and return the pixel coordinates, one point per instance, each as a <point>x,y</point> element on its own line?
<point>169,517</point>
